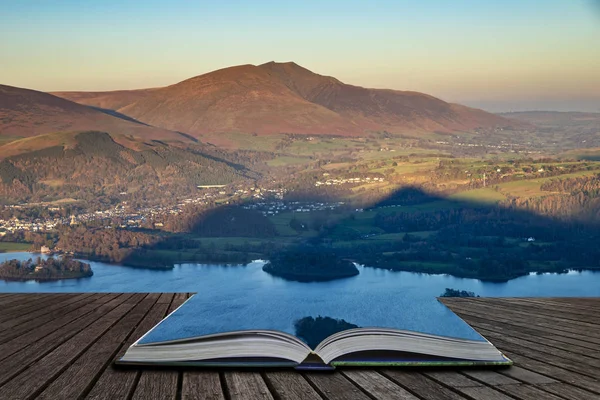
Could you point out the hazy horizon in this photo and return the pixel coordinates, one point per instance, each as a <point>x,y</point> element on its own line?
<point>509,56</point>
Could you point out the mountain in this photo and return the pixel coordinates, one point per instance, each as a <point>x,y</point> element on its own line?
<point>27,113</point>
<point>285,98</point>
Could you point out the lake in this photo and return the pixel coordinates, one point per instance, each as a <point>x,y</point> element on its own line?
<point>230,297</point>
<point>251,279</point>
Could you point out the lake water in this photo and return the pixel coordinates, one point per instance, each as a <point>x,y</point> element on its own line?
<point>250,279</point>
<point>231,297</point>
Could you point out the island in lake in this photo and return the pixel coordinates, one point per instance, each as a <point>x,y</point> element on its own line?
<point>306,265</point>
<point>49,269</point>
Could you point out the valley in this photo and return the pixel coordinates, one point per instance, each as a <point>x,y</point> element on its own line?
<point>388,179</point>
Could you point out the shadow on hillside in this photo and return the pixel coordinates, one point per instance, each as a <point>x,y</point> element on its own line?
<point>117,114</point>
<point>410,230</point>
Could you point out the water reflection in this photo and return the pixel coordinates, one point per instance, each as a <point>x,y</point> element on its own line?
<point>314,330</point>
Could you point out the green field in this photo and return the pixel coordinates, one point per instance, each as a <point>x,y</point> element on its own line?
<point>11,247</point>
<point>484,195</point>
<point>282,161</point>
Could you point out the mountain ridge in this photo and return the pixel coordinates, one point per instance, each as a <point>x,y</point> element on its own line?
<point>276,98</point>
<point>28,113</point>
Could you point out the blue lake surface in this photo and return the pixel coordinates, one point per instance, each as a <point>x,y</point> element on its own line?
<point>235,297</point>
<point>251,280</point>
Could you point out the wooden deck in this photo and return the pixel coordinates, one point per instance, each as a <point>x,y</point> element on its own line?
<point>61,346</point>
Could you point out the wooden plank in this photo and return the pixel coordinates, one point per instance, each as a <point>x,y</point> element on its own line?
<point>534,345</point>
<point>569,392</point>
<point>573,336</point>
<point>527,376</point>
<point>290,385</point>
<point>246,385</point>
<point>557,337</point>
<point>542,309</point>
<point>49,309</point>
<point>465,386</point>
<point>490,378</point>
<point>334,386</point>
<point>553,322</point>
<point>156,386</point>
<point>37,349</point>
<point>533,322</point>
<point>550,341</point>
<point>588,305</point>
<point>571,306</point>
<point>483,393</point>
<point>527,392</point>
<point>30,305</point>
<point>41,321</point>
<point>452,378</point>
<point>530,316</point>
<point>378,386</point>
<point>168,377</point>
<point>79,376</point>
<point>201,385</point>
<point>549,358</point>
<point>28,383</point>
<point>118,383</point>
<point>421,385</point>
<point>15,298</point>
<point>31,333</point>
<point>556,372</point>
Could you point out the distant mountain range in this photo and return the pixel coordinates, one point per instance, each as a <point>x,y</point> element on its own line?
<point>284,98</point>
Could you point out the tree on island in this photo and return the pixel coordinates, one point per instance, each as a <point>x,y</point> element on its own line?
<point>44,269</point>
<point>314,330</point>
<point>309,264</point>
<point>457,293</point>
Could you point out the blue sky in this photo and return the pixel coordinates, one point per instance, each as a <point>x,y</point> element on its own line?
<point>498,54</point>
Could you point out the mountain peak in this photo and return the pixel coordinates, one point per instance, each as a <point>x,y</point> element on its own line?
<point>284,97</point>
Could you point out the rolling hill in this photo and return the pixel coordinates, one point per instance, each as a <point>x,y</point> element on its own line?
<point>28,113</point>
<point>285,98</point>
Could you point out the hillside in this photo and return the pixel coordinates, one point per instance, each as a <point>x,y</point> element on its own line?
<point>285,98</point>
<point>88,164</point>
<point>27,113</point>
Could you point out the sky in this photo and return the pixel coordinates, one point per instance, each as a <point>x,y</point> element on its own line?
<point>506,55</point>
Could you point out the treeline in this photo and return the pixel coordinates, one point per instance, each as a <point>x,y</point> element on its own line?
<point>44,269</point>
<point>112,245</point>
<point>223,221</point>
<point>449,292</point>
<point>571,198</point>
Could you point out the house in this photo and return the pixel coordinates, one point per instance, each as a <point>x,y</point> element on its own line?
<point>44,250</point>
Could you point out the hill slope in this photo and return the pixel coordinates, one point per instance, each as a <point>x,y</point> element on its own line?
<point>88,164</point>
<point>285,98</point>
<point>26,113</point>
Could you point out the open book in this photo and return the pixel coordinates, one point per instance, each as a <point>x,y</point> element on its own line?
<point>183,338</point>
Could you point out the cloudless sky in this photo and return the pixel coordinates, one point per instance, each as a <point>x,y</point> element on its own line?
<point>499,55</point>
